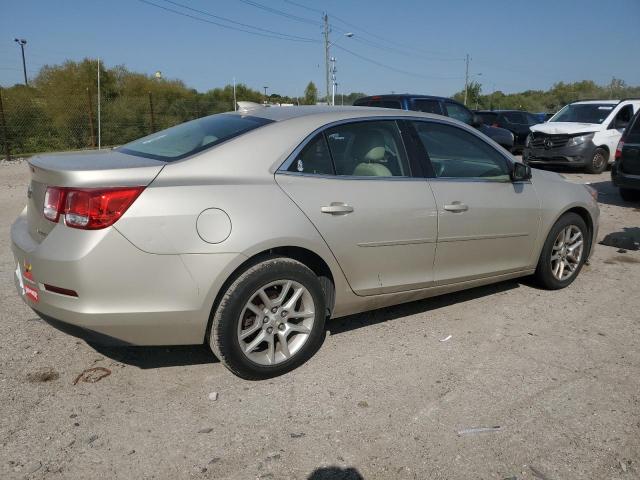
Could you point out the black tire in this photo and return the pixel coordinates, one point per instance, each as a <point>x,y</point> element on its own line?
<point>630,195</point>
<point>543,275</point>
<point>223,338</point>
<point>598,162</point>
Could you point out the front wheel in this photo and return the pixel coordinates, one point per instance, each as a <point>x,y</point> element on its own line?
<point>564,252</point>
<point>598,162</point>
<point>270,320</point>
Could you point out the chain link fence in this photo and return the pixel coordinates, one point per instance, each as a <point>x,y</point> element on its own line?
<point>32,123</point>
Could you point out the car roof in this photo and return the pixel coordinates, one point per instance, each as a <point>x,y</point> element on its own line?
<point>404,95</point>
<point>502,111</point>
<point>608,102</point>
<point>279,114</point>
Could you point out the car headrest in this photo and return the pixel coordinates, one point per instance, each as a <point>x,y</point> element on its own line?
<point>376,154</point>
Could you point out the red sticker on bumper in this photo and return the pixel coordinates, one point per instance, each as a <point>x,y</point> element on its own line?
<point>31,293</point>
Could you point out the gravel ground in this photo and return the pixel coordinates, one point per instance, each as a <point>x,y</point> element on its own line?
<point>558,372</point>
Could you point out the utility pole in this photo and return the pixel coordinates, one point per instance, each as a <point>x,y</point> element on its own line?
<point>22,42</point>
<point>325,33</point>
<point>235,103</point>
<point>90,112</point>
<point>334,84</point>
<point>466,78</point>
<point>265,95</point>
<point>99,111</point>
<point>5,134</point>
<point>153,118</point>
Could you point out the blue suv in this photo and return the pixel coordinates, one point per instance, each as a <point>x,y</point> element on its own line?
<point>440,106</point>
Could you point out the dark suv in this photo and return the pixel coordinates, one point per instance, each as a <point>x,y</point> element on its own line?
<point>440,106</point>
<point>625,172</point>
<point>516,121</point>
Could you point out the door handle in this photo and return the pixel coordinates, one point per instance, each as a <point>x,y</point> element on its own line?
<point>456,207</point>
<point>337,208</point>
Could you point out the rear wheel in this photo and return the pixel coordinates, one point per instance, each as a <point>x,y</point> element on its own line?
<point>270,320</point>
<point>564,252</point>
<point>598,162</point>
<point>629,195</point>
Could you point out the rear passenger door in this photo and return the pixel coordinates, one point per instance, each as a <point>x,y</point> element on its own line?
<point>373,208</point>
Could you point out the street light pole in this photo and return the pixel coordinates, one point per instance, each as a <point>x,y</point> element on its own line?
<point>466,78</point>
<point>325,33</point>
<point>265,94</point>
<point>22,42</point>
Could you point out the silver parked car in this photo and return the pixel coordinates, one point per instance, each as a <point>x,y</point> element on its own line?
<point>248,230</point>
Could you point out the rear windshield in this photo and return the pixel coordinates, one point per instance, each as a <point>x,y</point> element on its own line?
<point>192,137</point>
<point>583,113</point>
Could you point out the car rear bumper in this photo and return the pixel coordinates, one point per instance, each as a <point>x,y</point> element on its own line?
<point>623,179</point>
<point>124,295</point>
<point>579,155</point>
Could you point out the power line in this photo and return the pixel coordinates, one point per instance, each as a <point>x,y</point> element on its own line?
<point>380,64</point>
<point>281,12</point>
<point>315,10</point>
<point>281,36</point>
<point>209,14</point>
<point>396,44</point>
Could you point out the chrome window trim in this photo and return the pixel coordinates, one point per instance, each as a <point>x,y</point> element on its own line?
<point>351,177</point>
<point>283,168</point>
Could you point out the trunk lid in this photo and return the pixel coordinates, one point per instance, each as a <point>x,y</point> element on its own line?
<point>105,168</point>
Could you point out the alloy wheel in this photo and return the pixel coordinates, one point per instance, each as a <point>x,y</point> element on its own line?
<point>276,322</point>
<point>566,253</point>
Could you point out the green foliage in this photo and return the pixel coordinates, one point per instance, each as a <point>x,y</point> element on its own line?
<point>551,100</point>
<point>310,94</point>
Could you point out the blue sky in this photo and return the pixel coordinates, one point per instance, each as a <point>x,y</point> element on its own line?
<point>419,46</point>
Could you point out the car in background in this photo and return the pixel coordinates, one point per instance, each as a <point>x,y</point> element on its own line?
<point>582,134</point>
<point>517,122</point>
<point>439,106</point>
<point>625,172</point>
<point>247,230</point>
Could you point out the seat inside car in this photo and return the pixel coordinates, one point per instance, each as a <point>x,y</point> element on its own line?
<point>369,155</point>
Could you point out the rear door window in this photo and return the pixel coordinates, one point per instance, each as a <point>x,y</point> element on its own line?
<point>427,105</point>
<point>515,117</point>
<point>314,158</point>
<point>457,111</point>
<point>368,149</point>
<point>634,131</point>
<point>488,118</point>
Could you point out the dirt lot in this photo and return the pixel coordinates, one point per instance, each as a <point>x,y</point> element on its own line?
<point>559,372</point>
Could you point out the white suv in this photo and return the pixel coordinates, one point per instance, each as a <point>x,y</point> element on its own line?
<point>583,133</point>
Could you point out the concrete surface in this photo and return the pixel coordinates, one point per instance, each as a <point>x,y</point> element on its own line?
<point>558,372</point>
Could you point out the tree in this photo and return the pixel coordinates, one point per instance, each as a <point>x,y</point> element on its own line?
<point>310,94</point>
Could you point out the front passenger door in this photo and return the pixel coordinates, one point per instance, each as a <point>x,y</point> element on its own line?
<point>488,225</point>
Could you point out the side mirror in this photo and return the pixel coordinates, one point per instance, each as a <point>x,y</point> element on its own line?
<point>520,172</point>
<point>476,121</point>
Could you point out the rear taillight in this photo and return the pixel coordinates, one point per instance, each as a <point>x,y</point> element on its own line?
<point>619,149</point>
<point>53,203</point>
<point>91,208</point>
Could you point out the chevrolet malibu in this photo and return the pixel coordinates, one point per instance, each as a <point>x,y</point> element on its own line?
<point>248,230</point>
